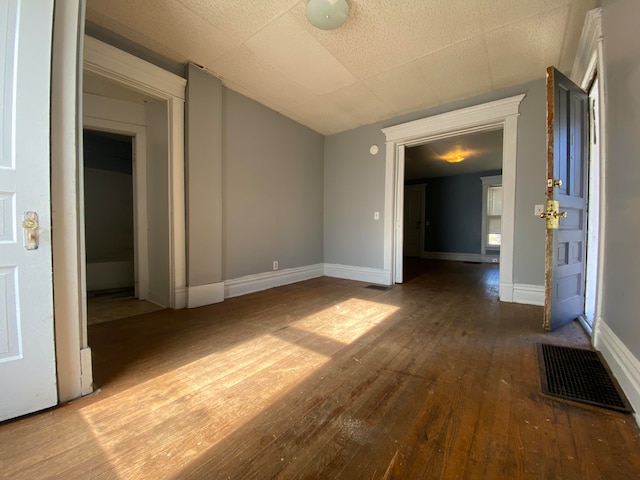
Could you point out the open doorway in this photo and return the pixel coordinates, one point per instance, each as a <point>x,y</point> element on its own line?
<point>453,200</point>
<point>500,114</point>
<point>114,265</point>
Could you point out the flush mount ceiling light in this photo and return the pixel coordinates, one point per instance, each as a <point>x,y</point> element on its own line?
<point>456,156</point>
<point>327,14</point>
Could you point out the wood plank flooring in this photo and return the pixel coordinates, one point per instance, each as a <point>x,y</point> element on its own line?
<point>432,379</point>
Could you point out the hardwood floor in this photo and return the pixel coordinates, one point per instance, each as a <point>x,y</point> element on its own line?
<point>432,379</point>
<point>106,306</point>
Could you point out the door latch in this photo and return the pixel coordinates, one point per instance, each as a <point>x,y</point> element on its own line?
<point>552,215</point>
<point>553,183</point>
<point>31,234</point>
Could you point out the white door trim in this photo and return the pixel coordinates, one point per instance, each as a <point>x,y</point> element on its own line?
<point>132,72</point>
<point>139,134</point>
<point>589,58</point>
<point>488,116</point>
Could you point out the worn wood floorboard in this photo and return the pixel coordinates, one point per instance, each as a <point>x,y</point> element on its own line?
<point>433,379</point>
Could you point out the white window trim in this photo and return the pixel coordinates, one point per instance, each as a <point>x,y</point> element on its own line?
<point>490,181</point>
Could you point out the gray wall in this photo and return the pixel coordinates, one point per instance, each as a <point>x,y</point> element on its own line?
<point>354,186</point>
<point>528,258</point>
<point>108,199</point>
<point>158,202</point>
<point>354,189</point>
<point>621,302</point>
<point>203,162</point>
<point>108,206</point>
<point>453,208</point>
<point>273,190</point>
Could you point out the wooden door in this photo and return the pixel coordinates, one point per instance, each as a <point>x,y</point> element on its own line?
<point>413,220</point>
<point>567,160</point>
<point>27,354</point>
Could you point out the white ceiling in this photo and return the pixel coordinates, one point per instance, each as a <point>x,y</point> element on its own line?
<point>390,57</point>
<point>482,152</point>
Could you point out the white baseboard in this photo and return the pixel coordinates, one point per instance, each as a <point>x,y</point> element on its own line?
<point>624,365</point>
<point>179,298</point>
<point>506,292</point>
<point>157,300</point>
<point>453,256</point>
<point>86,372</point>
<point>528,294</point>
<point>264,281</point>
<point>360,274</point>
<point>200,295</point>
<point>461,257</point>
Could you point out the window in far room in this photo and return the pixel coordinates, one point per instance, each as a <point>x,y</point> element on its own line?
<point>492,213</point>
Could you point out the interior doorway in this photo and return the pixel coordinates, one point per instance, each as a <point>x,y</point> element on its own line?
<point>116,283</point>
<point>453,199</point>
<point>488,116</point>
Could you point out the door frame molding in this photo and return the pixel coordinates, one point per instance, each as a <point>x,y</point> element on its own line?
<point>137,74</point>
<point>141,252</point>
<point>589,59</point>
<point>487,116</point>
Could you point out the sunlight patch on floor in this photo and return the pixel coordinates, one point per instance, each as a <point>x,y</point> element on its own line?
<point>347,321</point>
<point>194,407</point>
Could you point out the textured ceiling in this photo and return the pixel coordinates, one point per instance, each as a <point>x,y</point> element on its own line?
<point>390,57</point>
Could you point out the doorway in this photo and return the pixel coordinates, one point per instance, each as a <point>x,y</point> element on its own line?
<point>500,114</point>
<point>115,253</point>
<point>452,200</point>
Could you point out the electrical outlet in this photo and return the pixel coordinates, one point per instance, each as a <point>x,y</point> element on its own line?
<point>275,265</point>
<point>376,215</point>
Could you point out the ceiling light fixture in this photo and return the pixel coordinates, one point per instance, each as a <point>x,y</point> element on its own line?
<point>327,14</point>
<point>457,156</point>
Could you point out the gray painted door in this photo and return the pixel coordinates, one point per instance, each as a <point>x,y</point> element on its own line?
<point>413,220</point>
<point>567,157</point>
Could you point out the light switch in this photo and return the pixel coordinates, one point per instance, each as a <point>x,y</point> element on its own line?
<point>539,209</point>
<point>376,215</point>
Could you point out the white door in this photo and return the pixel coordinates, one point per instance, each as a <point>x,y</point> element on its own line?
<point>27,354</point>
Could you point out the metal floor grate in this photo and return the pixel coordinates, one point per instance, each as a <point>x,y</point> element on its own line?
<point>579,375</point>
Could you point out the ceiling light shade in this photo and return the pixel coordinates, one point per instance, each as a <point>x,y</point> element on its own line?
<point>327,14</point>
<point>456,156</point>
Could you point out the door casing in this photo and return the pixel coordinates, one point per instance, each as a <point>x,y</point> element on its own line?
<point>139,134</point>
<point>70,58</point>
<point>487,116</point>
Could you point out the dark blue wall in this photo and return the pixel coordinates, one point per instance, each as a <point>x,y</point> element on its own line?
<point>453,212</point>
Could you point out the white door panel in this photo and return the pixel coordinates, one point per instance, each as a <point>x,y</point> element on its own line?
<point>27,354</point>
